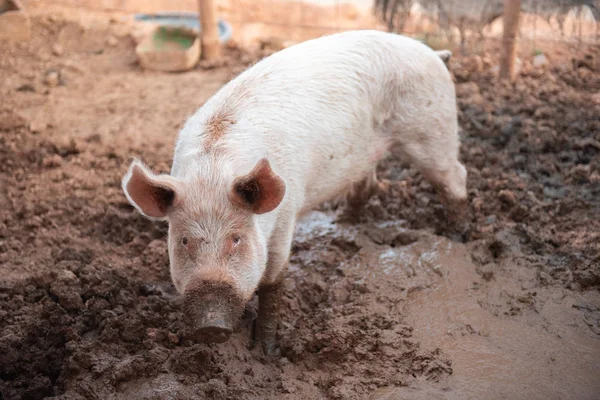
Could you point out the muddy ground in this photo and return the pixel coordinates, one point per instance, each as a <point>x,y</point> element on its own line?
<point>387,308</point>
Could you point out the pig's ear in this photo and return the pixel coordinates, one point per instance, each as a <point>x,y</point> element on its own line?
<point>260,191</point>
<point>151,194</point>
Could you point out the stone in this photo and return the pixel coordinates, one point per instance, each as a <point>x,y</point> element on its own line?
<point>37,126</point>
<point>111,41</point>
<point>57,50</point>
<point>52,78</point>
<point>540,60</point>
<point>507,197</point>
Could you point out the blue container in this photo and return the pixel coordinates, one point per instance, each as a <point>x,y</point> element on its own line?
<point>185,19</point>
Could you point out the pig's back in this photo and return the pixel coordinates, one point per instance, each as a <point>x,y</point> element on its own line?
<point>318,110</point>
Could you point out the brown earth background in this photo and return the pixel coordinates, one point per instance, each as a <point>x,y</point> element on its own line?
<point>387,308</point>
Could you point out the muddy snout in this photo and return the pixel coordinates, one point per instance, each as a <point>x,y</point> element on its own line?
<point>213,310</point>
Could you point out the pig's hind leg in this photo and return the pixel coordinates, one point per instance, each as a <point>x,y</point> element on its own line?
<point>436,157</point>
<point>359,196</point>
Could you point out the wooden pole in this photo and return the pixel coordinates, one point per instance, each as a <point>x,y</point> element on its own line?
<point>512,11</point>
<point>211,46</point>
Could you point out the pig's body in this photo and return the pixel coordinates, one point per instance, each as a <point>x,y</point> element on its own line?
<point>323,113</point>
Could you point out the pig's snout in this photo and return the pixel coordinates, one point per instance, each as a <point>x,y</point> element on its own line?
<point>213,309</point>
<point>213,327</point>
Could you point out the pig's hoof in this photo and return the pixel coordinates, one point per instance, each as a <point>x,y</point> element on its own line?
<point>383,186</point>
<point>270,348</point>
<point>347,217</point>
<point>268,345</point>
<point>459,232</point>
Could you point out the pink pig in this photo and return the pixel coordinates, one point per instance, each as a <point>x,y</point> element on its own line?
<point>301,127</point>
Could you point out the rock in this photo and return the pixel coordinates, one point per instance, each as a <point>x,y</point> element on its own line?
<point>66,276</point>
<point>37,125</point>
<point>52,78</point>
<point>507,197</point>
<point>540,60</point>
<point>67,297</point>
<point>57,50</point>
<point>111,41</point>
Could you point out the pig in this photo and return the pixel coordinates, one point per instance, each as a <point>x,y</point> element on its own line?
<point>304,126</point>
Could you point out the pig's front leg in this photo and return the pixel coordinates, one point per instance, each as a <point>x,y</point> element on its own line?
<point>270,293</point>
<point>269,302</point>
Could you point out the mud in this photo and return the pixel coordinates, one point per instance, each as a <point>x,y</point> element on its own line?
<point>384,308</point>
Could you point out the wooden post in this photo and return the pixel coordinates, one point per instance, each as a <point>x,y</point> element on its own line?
<point>211,46</point>
<point>512,10</point>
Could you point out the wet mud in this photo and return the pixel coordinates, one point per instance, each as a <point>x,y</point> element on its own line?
<point>386,307</point>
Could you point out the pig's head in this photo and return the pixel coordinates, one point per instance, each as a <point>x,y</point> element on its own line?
<point>217,252</point>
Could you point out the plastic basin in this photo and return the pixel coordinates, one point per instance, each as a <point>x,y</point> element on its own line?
<point>169,48</point>
<point>185,19</point>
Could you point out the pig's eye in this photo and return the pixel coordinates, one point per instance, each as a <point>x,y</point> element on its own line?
<point>184,241</point>
<point>236,240</point>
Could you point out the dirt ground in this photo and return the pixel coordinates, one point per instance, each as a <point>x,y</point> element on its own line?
<point>387,308</point>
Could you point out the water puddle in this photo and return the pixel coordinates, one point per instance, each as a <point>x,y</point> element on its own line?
<point>499,356</point>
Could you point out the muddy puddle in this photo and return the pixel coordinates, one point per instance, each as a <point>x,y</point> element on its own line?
<point>450,307</point>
